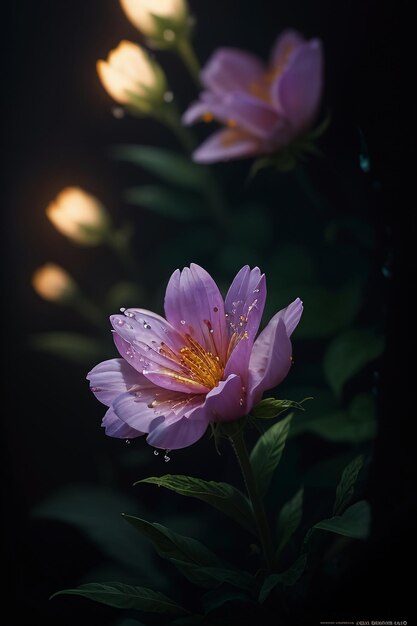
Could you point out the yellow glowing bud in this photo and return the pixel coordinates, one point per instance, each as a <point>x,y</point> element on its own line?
<point>159,19</point>
<point>53,283</point>
<point>79,216</point>
<point>130,76</point>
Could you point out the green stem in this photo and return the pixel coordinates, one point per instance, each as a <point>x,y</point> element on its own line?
<point>170,116</point>
<point>238,443</point>
<point>189,58</point>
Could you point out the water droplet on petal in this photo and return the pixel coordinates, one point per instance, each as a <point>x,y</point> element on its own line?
<point>127,441</point>
<point>119,322</point>
<point>215,309</point>
<point>156,453</point>
<point>183,322</point>
<point>122,309</point>
<point>146,325</point>
<point>226,315</point>
<point>129,314</point>
<point>167,458</point>
<point>241,402</point>
<point>256,291</point>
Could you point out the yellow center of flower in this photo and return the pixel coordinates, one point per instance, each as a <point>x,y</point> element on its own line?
<point>204,367</point>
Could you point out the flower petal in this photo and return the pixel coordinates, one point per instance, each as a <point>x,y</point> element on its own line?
<point>244,304</point>
<point>231,143</point>
<point>111,378</point>
<point>178,433</point>
<point>229,69</point>
<point>149,340</point>
<point>182,430</point>
<point>194,305</point>
<point>287,42</point>
<point>115,427</point>
<point>298,91</point>
<point>238,110</point>
<point>134,411</point>
<point>270,359</point>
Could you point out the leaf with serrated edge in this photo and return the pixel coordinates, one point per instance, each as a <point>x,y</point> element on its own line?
<point>221,496</point>
<point>346,486</point>
<point>355,522</point>
<point>287,578</point>
<point>124,596</point>
<point>288,520</point>
<point>210,577</point>
<point>171,545</point>
<point>267,453</point>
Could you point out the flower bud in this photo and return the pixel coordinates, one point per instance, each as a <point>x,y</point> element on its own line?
<point>161,21</point>
<point>131,77</point>
<point>53,283</point>
<point>79,216</point>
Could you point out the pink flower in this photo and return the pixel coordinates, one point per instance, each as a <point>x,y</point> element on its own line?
<point>264,108</point>
<point>201,364</point>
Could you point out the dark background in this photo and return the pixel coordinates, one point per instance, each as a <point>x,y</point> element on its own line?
<point>58,128</point>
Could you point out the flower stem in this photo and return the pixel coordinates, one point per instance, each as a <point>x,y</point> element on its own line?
<point>239,446</point>
<point>189,58</point>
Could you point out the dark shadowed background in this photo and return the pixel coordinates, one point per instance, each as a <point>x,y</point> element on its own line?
<point>59,127</point>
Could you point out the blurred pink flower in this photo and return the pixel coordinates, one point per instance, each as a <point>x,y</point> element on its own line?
<point>264,108</point>
<point>201,364</point>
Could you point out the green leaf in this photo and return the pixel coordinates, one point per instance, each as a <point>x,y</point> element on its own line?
<point>267,453</point>
<point>213,600</point>
<point>289,520</point>
<point>95,512</point>
<point>78,349</point>
<point>124,596</point>
<point>171,545</point>
<point>287,578</point>
<point>221,496</point>
<point>211,577</point>
<point>354,425</point>
<point>355,522</point>
<point>346,486</point>
<point>179,205</point>
<point>348,354</point>
<point>269,408</point>
<point>171,167</point>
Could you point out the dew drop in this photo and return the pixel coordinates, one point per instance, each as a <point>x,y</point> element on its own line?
<point>146,348</point>
<point>138,394</point>
<point>167,458</point>
<point>256,291</point>
<point>156,453</point>
<point>183,322</point>
<point>241,402</point>
<point>129,314</point>
<point>146,325</point>
<point>226,315</point>
<point>211,331</point>
<point>95,389</point>
<point>215,309</point>
<point>127,441</point>
<point>122,309</point>
<point>119,322</point>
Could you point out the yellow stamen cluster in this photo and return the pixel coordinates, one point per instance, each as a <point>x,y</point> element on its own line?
<point>205,367</point>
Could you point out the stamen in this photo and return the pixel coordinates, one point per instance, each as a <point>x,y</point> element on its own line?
<point>207,117</point>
